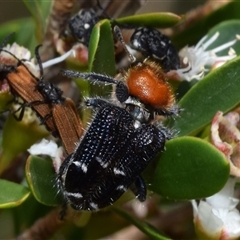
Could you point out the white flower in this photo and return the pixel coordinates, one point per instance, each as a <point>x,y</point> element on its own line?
<point>197,58</point>
<point>44,147</point>
<point>59,59</point>
<point>217,217</point>
<point>50,148</point>
<point>23,53</point>
<point>19,51</point>
<point>225,136</point>
<point>11,53</point>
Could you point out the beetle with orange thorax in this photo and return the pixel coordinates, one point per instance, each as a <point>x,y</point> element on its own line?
<point>122,139</point>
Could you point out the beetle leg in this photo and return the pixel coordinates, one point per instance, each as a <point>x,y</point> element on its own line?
<point>139,189</point>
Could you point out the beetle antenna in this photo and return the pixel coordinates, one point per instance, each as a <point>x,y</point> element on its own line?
<point>99,5</point>
<point>119,36</point>
<point>6,39</point>
<point>39,61</point>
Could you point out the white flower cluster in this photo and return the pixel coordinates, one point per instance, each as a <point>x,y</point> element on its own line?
<point>217,217</point>
<point>197,58</point>
<point>50,148</point>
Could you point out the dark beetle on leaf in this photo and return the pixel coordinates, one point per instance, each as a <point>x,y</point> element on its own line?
<point>121,140</point>
<point>81,24</point>
<point>109,159</point>
<point>157,46</point>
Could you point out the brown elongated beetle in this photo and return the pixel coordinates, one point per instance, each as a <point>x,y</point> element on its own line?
<point>59,114</point>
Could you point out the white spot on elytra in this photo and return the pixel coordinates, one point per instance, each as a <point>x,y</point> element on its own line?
<point>121,187</point>
<point>118,172</point>
<point>135,43</point>
<point>102,164</point>
<point>105,165</point>
<point>76,195</point>
<point>163,43</point>
<point>86,26</point>
<point>84,167</point>
<point>99,159</point>
<point>77,163</point>
<point>93,205</point>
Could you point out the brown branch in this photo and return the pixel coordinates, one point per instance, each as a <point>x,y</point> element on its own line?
<point>59,15</point>
<point>43,228</point>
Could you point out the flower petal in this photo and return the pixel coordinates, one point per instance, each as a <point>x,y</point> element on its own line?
<point>226,137</point>
<point>45,147</point>
<point>224,198</point>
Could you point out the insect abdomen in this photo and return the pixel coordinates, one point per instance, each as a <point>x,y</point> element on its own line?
<point>109,159</point>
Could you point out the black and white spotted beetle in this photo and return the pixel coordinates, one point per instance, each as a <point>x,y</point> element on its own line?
<point>121,140</point>
<point>82,23</point>
<point>155,45</point>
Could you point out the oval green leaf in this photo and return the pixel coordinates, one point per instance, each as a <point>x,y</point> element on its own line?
<point>101,54</point>
<point>12,194</point>
<point>101,49</point>
<point>42,180</point>
<point>154,20</point>
<point>190,168</point>
<point>148,229</point>
<point>218,91</point>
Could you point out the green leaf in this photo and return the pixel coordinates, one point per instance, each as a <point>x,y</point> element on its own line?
<point>190,168</point>
<point>45,9</point>
<point>12,194</point>
<point>192,34</point>
<point>5,98</point>
<point>33,7</point>
<point>23,29</point>
<point>21,135</point>
<point>101,49</point>
<point>101,54</point>
<point>154,20</point>
<point>42,180</point>
<point>145,227</point>
<point>227,32</point>
<point>39,10</point>
<point>218,91</point>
